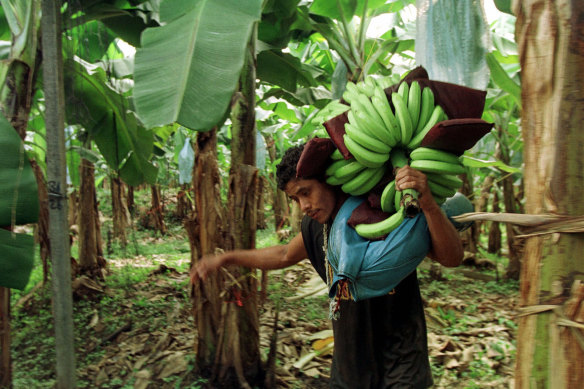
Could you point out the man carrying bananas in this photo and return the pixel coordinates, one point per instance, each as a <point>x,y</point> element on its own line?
<point>380,342</point>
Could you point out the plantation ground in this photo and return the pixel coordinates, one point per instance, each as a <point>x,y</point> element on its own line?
<point>135,329</point>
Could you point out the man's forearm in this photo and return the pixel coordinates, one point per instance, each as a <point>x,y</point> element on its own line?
<point>446,244</point>
<point>266,258</point>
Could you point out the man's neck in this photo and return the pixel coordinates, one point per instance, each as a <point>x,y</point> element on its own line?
<point>340,200</point>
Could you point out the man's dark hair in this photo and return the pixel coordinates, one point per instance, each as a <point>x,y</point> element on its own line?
<point>286,169</point>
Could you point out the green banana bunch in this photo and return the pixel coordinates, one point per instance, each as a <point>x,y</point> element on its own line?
<point>387,132</point>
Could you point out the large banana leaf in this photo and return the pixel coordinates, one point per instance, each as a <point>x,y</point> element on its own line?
<point>18,187</point>
<point>125,145</point>
<point>19,204</point>
<point>187,70</point>
<point>16,259</point>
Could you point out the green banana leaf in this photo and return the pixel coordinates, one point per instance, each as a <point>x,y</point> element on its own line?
<point>123,19</point>
<point>187,70</point>
<point>478,163</point>
<point>19,202</point>
<point>4,28</point>
<point>275,28</point>
<point>23,18</point>
<point>330,8</point>
<point>504,6</point>
<point>502,79</point>
<point>16,259</point>
<point>89,41</point>
<point>284,70</point>
<point>125,145</point>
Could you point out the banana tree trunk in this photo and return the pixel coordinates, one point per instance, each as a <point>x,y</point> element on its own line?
<point>550,351</point>
<point>120,212</point>
<point>241,345</point>
<point>156,212</point>
<point>184,203</point>
<point>481,206</point>
<point>494,242</point>
<point>90,247</point>
<point>207,301</point>
<point>469,237</point>
<point>280,203</point>
<point>514,253</point>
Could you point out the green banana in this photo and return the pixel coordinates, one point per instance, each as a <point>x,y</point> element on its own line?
<point>374,117</point>
<point>414,103</point>
<point>332,180</point>
<point>441,191</point>
<point>433,155</point>
<point>351,88</point>
<point>361,121</point>
<point>436,117</point>
<point>439,200</point>
<point>426,108</point>
<point>348,96</point>
<point>365,140</point>
<point>388,197</point>
<point>330,170</point>
<point>397,199</point>
<point>403,116</point>
<point>427,166</point>
<point>370,84</point>
<point>336,155</point>
<point>349,170</point>
<point>363,88</point>
<point>379,229</point>
<point>448,180</point>
<point>364,181</point>
<point>404,90</point>
<point>381,105</point>
<point>366,157</point>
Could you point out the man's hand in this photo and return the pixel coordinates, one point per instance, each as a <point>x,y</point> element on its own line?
<point>410,178</point>
<point>207,264</point>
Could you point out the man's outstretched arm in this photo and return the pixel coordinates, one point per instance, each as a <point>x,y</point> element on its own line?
<point>274,257</point>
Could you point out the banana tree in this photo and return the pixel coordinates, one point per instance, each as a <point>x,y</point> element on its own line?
<point>550,350</point>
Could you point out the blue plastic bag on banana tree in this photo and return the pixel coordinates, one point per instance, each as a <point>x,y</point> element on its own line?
<point>373,268</point>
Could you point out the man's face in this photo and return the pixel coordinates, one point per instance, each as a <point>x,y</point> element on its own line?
<point>316,199</point>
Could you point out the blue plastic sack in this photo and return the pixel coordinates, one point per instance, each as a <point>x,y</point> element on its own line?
<point>374,268</point>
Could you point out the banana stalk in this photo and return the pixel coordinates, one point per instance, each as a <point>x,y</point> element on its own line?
<point>409,199</point>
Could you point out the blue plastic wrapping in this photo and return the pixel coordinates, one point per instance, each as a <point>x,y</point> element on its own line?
<point>374,268</point>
